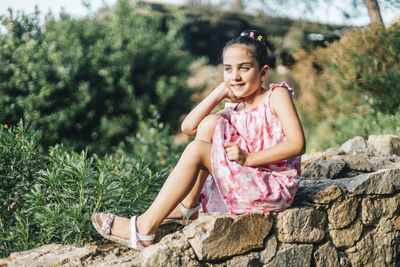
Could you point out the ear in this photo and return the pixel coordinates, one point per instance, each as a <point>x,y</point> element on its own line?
<point>264,72</point>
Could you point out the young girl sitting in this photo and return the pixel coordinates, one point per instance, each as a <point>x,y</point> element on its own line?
<point>244,159</point>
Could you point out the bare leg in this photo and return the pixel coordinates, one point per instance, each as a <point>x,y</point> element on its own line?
<point>205,132</point>
<point>181,185</point>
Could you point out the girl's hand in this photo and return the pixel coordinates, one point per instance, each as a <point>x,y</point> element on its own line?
<point>228,93</point>
<point>233,152</point>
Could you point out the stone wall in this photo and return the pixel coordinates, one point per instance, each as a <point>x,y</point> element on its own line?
<point>346,213</point>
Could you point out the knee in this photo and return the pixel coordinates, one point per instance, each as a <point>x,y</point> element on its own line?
<point>195,149</point>
<point>205,130</point>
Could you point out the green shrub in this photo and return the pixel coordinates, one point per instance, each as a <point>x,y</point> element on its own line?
<point>352,87</point>
<point>85,82</point>
<point>56,201</point>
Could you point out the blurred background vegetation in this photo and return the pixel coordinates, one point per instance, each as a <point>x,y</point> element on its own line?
<point>91,107</point>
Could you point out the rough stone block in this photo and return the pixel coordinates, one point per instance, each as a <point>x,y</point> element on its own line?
<point>303,225</point>
<point>347,237</point>
<point>383,182</point>
<point>292,255</point>
<point>342,213</point>
<point>218,236</point>
<point>357,145</point>
<point>385,144</point>
<point>326,256</point>
<point>373,208</point>
<point>172,250</point>
<point>375,249</point>
<point>325,168</point>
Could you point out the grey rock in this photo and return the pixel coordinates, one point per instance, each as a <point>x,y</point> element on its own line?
<point>219,236</point>
<point>326,256</point>
<point>387,145</point>
<point>347,237</point>
<point>375,249</point>
<point>325,168</point>
<point>342,213</point>
<point>373,208</point>
<point>302,225</point>
<point>292,255</point>
<point>358,145</point>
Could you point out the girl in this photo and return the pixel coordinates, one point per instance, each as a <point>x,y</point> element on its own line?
<point>244,159</point>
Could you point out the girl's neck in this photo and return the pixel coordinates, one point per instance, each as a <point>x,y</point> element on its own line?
<point>254,99</point>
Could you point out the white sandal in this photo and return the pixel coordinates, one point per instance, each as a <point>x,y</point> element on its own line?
<point>187,213</point>
<point>105,231</point>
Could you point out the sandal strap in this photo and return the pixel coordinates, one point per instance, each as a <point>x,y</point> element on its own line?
<point>187,213</point>
<point>135,236</point>
<point>107,223</point>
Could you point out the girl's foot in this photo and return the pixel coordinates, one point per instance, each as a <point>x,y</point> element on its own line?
<point>121,228</point>
<point>183,215</point>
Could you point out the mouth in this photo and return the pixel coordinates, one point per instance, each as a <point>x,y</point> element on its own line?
<point>237,86</point>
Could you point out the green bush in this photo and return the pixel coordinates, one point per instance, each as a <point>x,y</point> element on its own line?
<point>85,82</point>
<point>352,87</point>
<point>61,189</point>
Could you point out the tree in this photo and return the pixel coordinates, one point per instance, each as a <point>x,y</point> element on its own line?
<point>308,6</point>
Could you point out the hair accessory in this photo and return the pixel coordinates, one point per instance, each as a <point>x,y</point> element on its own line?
<point>251,34</point>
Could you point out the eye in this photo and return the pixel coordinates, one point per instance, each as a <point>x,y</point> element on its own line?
<point>244,68</point>
<point>227,68</point>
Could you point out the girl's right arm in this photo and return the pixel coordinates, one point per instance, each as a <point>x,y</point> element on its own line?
<point>193,119</point>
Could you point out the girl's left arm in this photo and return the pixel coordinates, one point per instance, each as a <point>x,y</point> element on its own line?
<point>282,106</point>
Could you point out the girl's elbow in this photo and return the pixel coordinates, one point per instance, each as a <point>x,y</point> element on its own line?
<point>187,129</point>
<point>301,147</point>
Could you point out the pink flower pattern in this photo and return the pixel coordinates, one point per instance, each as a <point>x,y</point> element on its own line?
<point>238,189</point>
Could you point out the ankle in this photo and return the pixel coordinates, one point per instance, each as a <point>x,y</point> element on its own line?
<point>144,227</point>
<point>190,205</point>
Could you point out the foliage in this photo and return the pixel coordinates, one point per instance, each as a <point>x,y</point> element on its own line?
<point>351,87</point>
<point>56,206</point>
<point>87,81</point>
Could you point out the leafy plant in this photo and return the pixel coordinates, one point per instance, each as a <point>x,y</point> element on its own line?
<point>351,87</point>
<point>85,82</point>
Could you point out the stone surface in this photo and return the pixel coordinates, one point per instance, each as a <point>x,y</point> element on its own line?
<point>326,256</point>
<point>357,145</point>
<point>342,213</point>
<point>303,225</point>
<point>332,151</point>
<point>347,237</point>
<point>306,159</point>
<point>357,162</point>
<point>292,255</point>
<point>325,168</point>
<point>173,250</point>
<point>219,236</point>
<point>373,208</point>
<point>327,195</point>
<point>375,249</point>
<point>385,144</point>
<point>378,183</point>
<point>396,223</point>
<point>269,251</point>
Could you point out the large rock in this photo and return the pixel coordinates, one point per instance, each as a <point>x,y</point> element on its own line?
<point>292,255</point>
<point>347,237</point>
<point>373,208</point>
<point>383,182</point>
<point>326,256</point>
<point>342,213</point>
<point>385,144</point>
<point>220,236</point>
<point>375,249</point>
<point>358,145</point>
<point>302,225</point>
<point>173,250</point>
<point>325,168</point>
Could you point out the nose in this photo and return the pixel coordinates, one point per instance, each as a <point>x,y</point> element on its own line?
<point>235,75</point>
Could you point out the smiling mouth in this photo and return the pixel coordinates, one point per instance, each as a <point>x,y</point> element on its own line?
<point>236,86</point>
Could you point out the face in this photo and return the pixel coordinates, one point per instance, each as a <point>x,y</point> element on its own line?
<point>242,74</point>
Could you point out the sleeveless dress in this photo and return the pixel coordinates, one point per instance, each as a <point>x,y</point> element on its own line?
<point>238,189</point>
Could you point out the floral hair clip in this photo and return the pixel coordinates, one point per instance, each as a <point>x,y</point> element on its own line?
<point>251,34</point>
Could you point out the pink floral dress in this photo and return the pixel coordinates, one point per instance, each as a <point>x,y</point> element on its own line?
<point>240,189</point>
